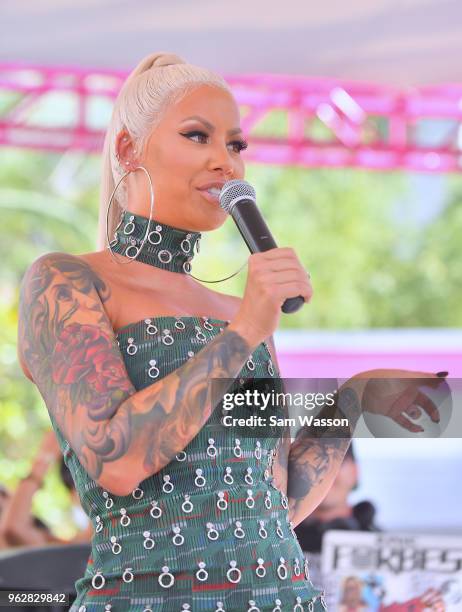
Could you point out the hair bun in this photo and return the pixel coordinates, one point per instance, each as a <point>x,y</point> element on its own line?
<point>165,59</point>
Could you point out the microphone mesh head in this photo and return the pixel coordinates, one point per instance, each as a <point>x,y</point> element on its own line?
<point>234,191</point>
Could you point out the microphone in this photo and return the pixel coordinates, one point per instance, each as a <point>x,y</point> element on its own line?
<point>238,198</point>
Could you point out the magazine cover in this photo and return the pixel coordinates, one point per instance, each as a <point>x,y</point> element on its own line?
<point>391,572</point>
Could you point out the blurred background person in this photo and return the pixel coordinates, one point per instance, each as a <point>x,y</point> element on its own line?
<point>18,526</point>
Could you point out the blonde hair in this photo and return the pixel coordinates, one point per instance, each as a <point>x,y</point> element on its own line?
<point>158,80</point>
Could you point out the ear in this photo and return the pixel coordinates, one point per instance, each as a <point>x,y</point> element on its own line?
<point>125,150</point>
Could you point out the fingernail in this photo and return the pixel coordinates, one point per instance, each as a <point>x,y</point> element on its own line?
<point>442,374</point>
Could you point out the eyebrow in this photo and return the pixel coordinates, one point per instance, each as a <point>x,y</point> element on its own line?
<point>210,126</point>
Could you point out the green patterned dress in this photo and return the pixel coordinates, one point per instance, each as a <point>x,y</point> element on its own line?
<point>207,533</point>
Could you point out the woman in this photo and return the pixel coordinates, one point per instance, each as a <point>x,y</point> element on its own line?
<point>121,344</point>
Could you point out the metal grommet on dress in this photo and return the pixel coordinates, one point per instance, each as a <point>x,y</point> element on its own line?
<point>167,487</point>
<point>166,575</point>
<point>116,547</point>
<point>211,448</point>
<point>101,582</point>
<point>279,530</point>
<point>187,506</point>
<point>237,450</point>
<point>202,574</point>
<point>250,364</point>
<point>222,503</point>
<point>181,456</point>
<point>234,574</point>
<point>252,606</point>
<point>306,569</point>
<point>125,520</point>
<point>156,510</point>
<point>185,244</point>
<point>132,349</point>
<point>282,569</point>
<point>207,324</point>
<point>157,234</point>
<point>132,251</point>
<point>167,338</point>
<point>127,576</point>
<point>277,608</point>
<point>151,329</point>
<point>262,531</point>
<point>109,501</point>
<point>137,493</point>
<point>212,533</point>
<point>248,477</point>
<point>129,227</point>
<point>179,324</point>
<point>148,542</point>
<point>261,569</point>
<point>219,607</point>
<point>268,502</point>
<point>199,334</point>
<point>257,451</point>
<point>228,477</point>
<point>199,480</point>
<point>238,531</point>
<point>178,538</point>
<point>298,605</point>
<point>153,371</point>
<point>250,502</point>
<point>164,256</point>
<point>297,569</point>
<point>99,524</point>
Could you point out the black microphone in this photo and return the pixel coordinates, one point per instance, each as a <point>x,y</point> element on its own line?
<point>238,198</point>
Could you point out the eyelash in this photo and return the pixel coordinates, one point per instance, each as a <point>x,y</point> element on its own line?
<point>242,144</point>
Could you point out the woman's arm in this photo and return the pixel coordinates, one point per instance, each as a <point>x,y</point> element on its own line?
<point>315,456</point>
<point>66,340</point>
<point>16,524</point>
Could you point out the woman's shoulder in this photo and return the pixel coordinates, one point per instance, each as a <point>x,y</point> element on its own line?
<point>59,261</point>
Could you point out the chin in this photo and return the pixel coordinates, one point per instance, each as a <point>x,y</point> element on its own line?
<point>208,221</point>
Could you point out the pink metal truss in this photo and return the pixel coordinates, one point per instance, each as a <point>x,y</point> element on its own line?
<point>288,120</point>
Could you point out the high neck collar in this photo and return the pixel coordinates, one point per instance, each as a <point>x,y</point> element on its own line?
<point>166,247</point>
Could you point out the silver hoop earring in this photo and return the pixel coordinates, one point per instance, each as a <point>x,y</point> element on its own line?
<point>151,194</point>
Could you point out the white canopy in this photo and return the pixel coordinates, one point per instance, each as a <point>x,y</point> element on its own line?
<point>395,42</point>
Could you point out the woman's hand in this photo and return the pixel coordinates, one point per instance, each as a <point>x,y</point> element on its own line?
<point>273,276</point>
<point>398,394</point>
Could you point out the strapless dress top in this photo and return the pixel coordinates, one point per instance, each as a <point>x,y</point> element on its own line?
<point>209,532</point>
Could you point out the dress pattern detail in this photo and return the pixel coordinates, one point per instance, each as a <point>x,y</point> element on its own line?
<point>209,532</point>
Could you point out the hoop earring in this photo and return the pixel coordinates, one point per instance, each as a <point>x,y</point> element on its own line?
<point>151,190</point>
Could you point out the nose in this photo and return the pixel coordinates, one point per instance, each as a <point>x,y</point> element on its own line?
<point>220,160</point>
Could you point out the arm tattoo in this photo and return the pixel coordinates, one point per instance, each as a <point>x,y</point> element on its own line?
<point>66,340</point>
<point>315,457</point>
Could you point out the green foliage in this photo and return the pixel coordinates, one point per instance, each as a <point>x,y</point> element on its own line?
<point>371,264</point>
